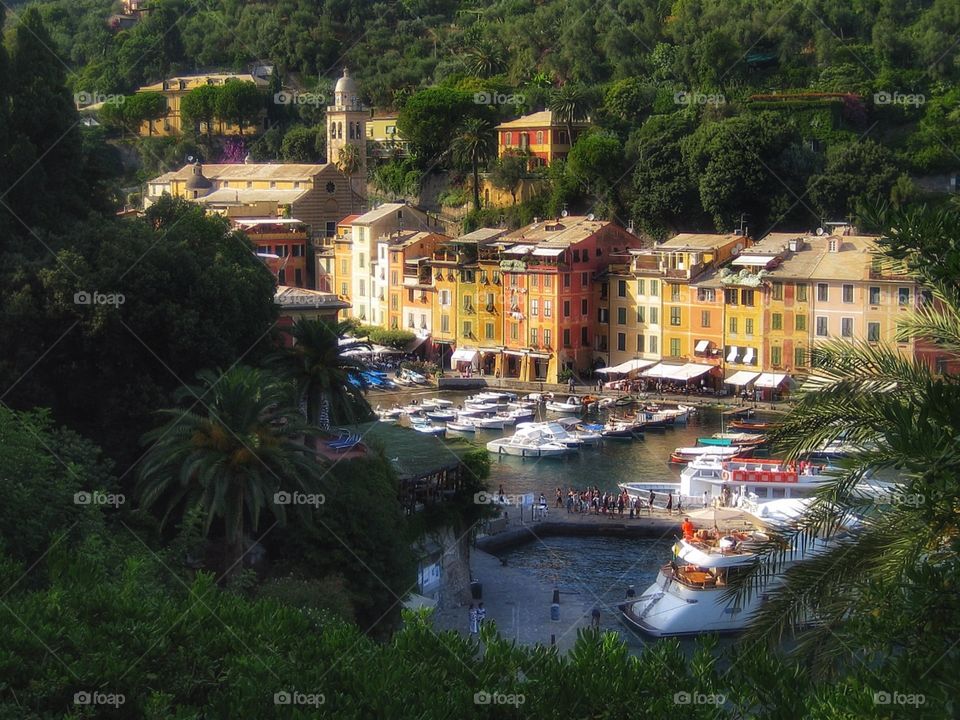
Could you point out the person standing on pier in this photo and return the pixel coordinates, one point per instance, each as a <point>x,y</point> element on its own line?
<point>559,498</point>
<point>650,502</point>
<point>670,502</point>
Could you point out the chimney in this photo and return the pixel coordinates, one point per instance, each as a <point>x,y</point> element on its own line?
<point>833,245</point>
<point>795,244</point>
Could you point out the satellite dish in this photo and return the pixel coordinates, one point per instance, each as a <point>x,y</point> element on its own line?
<point>590,217</point>
<point>819,231</point>
<point>563,214</point>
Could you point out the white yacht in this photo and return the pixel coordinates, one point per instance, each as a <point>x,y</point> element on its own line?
<point>562,433</point>
<point>691,595</point>
<point>571,405</point>
<point>528,441</point>
<point>758,479</point>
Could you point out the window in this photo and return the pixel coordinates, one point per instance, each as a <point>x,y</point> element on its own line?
<point>282,277</point>
<point>539,137</point>
<point>748,326</point>
<point>802,292</point>
<point>674,292</point>
<point>410,295</point>
<point>409,319</point>
<point>621,342</point>
<point>508,138</point>
<point>653,344</point>
<point>621,288</point>
<point>363,288</point>
<point>343,266</point>
<point>445,323</point>
<point>566,280</point>
<point>576,255</point>
<point>731,297</point>
<point>621,316</point>
<point>547,282</point>
<point>640,313</point>
<point>344,289</point>
<point>778,291</point>
<point>733,326</point>
<point>444,297</point>
<point>776,355</point>
<point>873,331</point>
<point>674,347</point>
<point>566,308</point>
<point>874,296</point>
<point>566,337</point>
<point>846,327</point>
<point>640,287</point>
<point>514,333</point>
<point>654,287</point>
<point>583,308</point>
<point>800,322</point>
<point>534,307</point>
<point>903,296</point>
<point>298,277</point>
<point>639,343</point>
<point>467,302</point>
<point>467,328</point>
<point>654,316</point>
<point>488,331</point>
<point>799,357</point>
<point>746,297</point>
<point>362,261</point>
<point>584,338</point>
<point>491,304</point>
<point>584,279</point>
<point>776,321</point>
<point>394,301</point>
<point>848,293</point>
<point>547,338</point>
<point>547,308</point>
<point>822,292</point>
<point>821,326</point>
<point>706,294</point>
<point>674,316</point>
<point>534,281</point>
<point>705,318</point>
<point>534,337</point>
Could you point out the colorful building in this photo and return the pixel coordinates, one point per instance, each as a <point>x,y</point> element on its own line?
<point>408,253</point>
<point>540,134</point>
<point>174,89</point>
<point>383,139</point>
<point>284,244</point>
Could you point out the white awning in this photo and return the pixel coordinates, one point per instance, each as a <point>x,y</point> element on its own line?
<point>770,380</point>
<point>491,350</point>
<point>463,355</point>
<point>694,370</point>
<point>752,259</point>
<point>518,250</point>
<point>626,367</point>
<point>702,346</point>
<point>513,352</point>
<point>741,378</point>
<point>748,356</point>
<point>539,355</point>
<point>548,252</point>
<point>663,370</point>
<point>732,355</point>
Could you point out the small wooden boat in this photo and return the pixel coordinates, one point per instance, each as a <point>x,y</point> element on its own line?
<point>754,427</point>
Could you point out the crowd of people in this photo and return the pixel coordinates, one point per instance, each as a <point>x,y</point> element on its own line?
<point>592,501</point>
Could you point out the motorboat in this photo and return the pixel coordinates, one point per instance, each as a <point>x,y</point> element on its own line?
<point>519,414</point>
<point>750,426</point>
<point>756,480</point>
<point>621,430</point>
<point>690,595</point>
<point>528,441</point>
<point>481,405</point>
<point>463,427</point>
<point>483,423</point>
<point>441,414</point>
<point>430,429</point>
<point>726,439</point>
<point>436,403</point>
<point>622,401</point>
<point>572,432</point>
<point>572,404</point>
<point>683,455</point>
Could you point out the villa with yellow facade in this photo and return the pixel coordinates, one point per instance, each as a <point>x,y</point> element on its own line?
<point>540,134</point>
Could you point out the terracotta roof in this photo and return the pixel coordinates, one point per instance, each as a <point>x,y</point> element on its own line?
<point>557,233</point>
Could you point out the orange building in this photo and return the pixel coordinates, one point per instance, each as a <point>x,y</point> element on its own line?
<point>541,134</point>
<point>283,244</point>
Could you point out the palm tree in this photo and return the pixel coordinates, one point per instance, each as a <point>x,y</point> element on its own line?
<point>485,59</point>
<point>329,381</point>
<point>475,145</point>
<point>349,163</point>
<point>904,419</point>
<point>571,104</point>
<point>232,451</point>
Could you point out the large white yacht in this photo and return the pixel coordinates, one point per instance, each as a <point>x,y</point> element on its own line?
<point>691,594</point>
<point>529,440</point>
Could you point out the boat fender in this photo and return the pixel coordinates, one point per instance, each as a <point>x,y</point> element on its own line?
<point>725,475</point>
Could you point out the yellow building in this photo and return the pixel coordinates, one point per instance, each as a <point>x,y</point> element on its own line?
<point>383,136</point>
<point>409,252</point>
<point>174,89</point>
<point>343,260</point>
<point>443,269</point>
<point>540,133</point>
